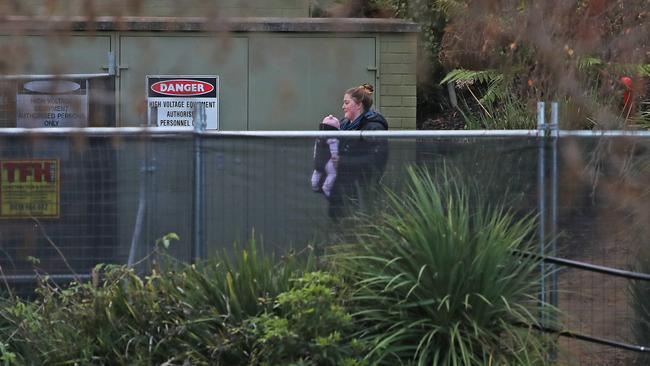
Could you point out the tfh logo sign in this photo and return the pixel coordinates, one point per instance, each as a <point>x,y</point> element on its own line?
<point>21,171</point>
<point>29,188</point>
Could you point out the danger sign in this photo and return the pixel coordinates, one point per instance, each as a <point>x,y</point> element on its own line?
<point>52,103</point>
<point>29,188</point>
<point>174,100</point>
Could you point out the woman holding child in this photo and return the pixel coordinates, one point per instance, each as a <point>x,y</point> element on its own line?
<point>360,161</point>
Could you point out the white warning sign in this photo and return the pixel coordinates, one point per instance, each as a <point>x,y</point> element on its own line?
<point>173,100</point>
<point>52,103</point>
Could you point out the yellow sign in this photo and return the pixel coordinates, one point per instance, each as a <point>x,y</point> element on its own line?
<point>29,188</point>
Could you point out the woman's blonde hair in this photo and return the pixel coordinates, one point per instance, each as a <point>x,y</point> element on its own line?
<point>362,94</point>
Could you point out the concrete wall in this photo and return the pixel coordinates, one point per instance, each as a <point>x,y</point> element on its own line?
<point>193,8</point>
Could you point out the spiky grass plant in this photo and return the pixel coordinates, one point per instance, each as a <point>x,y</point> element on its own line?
<point>438,283</point>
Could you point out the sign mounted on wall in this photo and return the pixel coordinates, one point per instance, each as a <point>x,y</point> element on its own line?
<point>52,103</point>
<point>29,188</point>
<point>173,100</point>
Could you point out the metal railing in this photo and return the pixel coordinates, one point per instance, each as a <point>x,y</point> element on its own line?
<point>135,162</point>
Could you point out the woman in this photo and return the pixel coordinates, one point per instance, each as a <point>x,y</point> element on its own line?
<point>356,108</point>
<point>361,161</point>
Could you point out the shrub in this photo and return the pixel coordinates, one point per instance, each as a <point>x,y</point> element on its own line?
<point>180,313</point>
<point>309,325</point>
<point>437,283</point>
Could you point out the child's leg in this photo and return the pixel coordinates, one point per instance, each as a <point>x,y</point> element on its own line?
<point>330,170</point>
<point>315,179</point>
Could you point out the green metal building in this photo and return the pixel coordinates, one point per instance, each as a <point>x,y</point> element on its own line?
<point>278,68</point>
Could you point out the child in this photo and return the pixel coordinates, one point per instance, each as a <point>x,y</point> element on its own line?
<point>326,152</point>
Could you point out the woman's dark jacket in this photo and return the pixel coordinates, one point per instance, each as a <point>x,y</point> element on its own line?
<point>367,153</point>
<point>361,162</point>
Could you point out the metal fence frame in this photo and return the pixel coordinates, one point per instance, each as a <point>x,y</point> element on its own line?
<point>546,133</point>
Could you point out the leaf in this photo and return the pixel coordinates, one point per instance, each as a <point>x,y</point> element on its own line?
<point>166,240</point>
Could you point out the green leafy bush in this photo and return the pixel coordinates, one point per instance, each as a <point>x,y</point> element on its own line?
<point>180,313</point>
<point>432,279</point>
<point>437,282</point>
<point>309,325</point>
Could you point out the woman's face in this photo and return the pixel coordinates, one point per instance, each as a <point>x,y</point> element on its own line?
<point>351,109</point>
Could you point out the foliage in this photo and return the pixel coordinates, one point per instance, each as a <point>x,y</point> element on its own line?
<point>493,92</point>
<point>308,326</point>
<point>184,313</point>
<point>640,293</point>
<point>7,358</point>
<point>597,65</point>
<point>353,9</point>
<point>495,80</point>
<point>437,281</point>
<point>570,52</point>
<point>508,114</point>
<point>644,116</point>
<point>629,196</point>
<point>573,53</point>
<point>433,279</point>
<point>432,16</point>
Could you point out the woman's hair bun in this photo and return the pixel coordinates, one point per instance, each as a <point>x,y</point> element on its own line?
<point>369,88</point>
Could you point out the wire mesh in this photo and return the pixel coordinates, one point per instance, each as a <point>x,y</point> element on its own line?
<point>256,186</point>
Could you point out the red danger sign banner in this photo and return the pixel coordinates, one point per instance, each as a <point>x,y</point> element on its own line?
<point>29,188</point>
<point>182,87</point>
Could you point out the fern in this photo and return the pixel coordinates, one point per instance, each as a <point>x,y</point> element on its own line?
<point>497,89</point>
<point>498,84</point>
<point>462,76</point>
<point>589,63</point>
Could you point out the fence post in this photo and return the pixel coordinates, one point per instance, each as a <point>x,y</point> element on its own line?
<point>198,247</point>
<point>541,197</point>
<point>146,169</point>
<point>554,146</point>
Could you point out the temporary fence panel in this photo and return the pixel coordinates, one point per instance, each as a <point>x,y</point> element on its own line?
<point>122,189</point>
<point>64,230</point>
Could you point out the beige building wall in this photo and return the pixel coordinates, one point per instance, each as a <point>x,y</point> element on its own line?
<point>397,57</point>
<point>152,8</point>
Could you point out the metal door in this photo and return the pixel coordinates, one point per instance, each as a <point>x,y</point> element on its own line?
<point>184,55</point>
<point>296,81</point>
<point>44,54</point>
